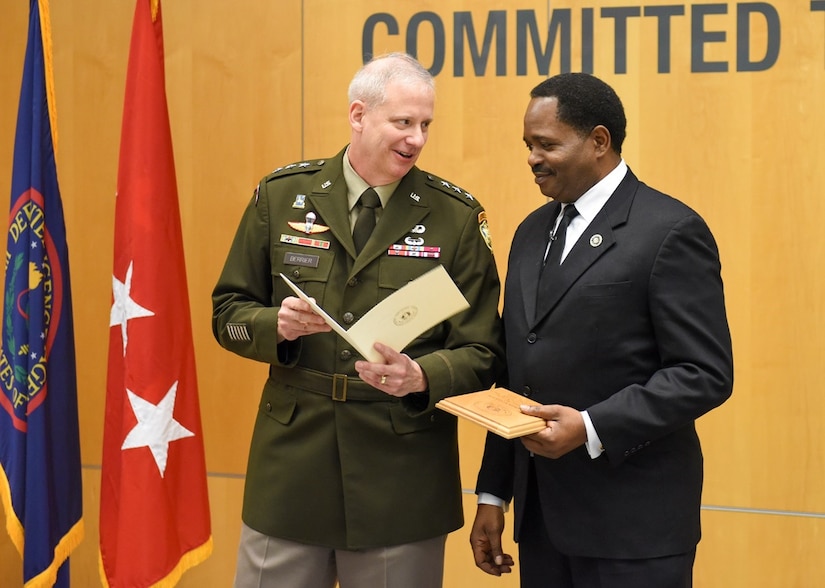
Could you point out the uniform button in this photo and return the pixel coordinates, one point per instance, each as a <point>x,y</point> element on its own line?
<point>527,391</point>
<point>268,407</point>
<point>532,338</point>
<point>345,354</point>
<point>348,318</point>
<point>353,282</point>
<point>432,418</point>
<point>296,273</point>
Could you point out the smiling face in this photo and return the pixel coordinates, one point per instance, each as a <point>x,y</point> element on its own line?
<point>388,138</point>
<point>565,162</point>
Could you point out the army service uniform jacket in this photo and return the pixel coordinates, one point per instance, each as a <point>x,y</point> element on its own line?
<point>333,461</point>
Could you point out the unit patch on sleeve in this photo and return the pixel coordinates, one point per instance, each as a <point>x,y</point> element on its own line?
<point>484,229</point>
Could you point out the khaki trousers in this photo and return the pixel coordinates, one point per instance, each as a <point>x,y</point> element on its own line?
<point>269,562</point>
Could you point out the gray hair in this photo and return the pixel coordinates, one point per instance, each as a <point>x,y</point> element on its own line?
<point>370,82</point>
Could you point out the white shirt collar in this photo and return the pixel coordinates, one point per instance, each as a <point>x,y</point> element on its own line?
<point>591,202</point>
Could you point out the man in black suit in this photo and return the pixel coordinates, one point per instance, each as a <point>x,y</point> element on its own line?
<point>615,321</point>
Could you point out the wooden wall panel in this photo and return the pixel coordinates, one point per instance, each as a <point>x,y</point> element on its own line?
<point>742,550</point>
<point>233,79</point>
<point>253,85</point>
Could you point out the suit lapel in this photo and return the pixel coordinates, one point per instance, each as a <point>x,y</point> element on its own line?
<point>530,269</point>
<point>583,254</point>
<point>596,240</point>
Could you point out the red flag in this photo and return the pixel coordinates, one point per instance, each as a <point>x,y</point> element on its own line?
<point>154,508</point>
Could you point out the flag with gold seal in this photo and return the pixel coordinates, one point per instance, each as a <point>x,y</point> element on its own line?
<point>40,481</point>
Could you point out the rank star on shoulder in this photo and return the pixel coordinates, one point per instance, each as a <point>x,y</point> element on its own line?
<point>156,427</point>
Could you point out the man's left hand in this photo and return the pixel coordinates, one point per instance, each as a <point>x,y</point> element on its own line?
<point>399,376</point>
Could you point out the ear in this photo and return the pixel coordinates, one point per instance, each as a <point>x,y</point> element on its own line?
<point>357,110</point>
<point>601,139</point>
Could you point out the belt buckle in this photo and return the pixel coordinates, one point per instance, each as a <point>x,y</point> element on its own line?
<point>339,396</point>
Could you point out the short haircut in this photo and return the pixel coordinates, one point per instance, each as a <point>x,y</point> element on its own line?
<point>370,82</point>
<point>584,102</point>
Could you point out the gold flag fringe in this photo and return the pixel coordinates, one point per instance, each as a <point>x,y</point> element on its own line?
<point>62,550</point>
<point>188,560</point>
<point>48,577</point>
<point>46,36</point>
<point>13,525</point>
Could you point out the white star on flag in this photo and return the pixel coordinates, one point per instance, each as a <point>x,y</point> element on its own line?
<point>124,308</point>
<point>156,427</point>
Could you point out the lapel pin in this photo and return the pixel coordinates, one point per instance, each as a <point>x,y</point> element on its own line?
<point>300,201</point>
<point>595,240</point>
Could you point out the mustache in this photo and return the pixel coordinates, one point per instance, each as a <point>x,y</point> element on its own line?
<point>539,169</point>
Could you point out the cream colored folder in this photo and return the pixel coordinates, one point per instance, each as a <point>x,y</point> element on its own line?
<point>398,319</point>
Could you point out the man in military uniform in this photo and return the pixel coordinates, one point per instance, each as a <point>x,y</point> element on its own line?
<point>353,474</point>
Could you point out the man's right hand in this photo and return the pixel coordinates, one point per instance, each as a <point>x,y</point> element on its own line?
<point>296,319</point>
<point>485,540</point>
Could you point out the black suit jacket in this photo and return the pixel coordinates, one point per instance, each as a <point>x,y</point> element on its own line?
<point>633,330</point>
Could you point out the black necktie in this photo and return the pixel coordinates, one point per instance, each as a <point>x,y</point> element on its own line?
<point>557,238</point>
<point>365,222</point>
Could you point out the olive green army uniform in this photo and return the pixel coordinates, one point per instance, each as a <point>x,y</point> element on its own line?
<point>333,461</point>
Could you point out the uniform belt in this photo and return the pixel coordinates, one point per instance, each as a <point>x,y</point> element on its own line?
<point>339,387</point>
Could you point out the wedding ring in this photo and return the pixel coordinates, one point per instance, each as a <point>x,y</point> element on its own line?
<point>383,379</point>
